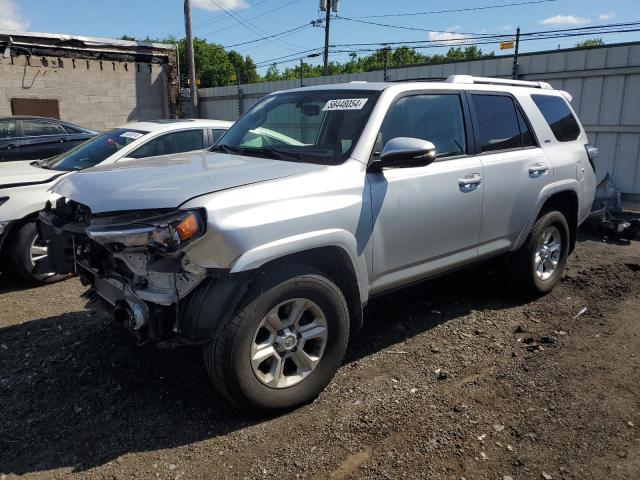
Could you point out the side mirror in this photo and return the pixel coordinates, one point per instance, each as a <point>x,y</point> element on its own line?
<point>403,152</point>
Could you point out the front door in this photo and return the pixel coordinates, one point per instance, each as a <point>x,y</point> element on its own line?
<point>427,219</point>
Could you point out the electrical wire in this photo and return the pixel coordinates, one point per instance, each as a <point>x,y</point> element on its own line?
<point>306,25</point>
<point>266,12</point>
<point>249,25</point>
<point>604,29</point>
<point>457,10</point>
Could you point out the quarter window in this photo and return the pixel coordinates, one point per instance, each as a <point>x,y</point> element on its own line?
<point>176,142</point>
<point>435,118</point>
<point>559,117</point>
<point>7,128</point>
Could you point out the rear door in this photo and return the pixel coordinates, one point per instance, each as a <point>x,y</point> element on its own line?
<point>42,139</point>
<point>515,168</point>
<point>9,140</point>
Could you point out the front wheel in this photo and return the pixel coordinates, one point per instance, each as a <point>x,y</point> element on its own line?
<point>26,251</point>
<point>284,344</point>
<point>539,263</point>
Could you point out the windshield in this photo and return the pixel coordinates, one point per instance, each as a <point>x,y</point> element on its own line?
<point>316,126</point>
<point>94,151</point>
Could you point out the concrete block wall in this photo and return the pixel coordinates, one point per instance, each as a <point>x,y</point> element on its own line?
<point>93,94</point>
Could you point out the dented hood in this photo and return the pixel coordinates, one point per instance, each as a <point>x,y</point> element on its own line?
<point>24,173</point>
<point>170,180</point>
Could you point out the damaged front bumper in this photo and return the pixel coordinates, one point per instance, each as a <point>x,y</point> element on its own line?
<point>137,269</point>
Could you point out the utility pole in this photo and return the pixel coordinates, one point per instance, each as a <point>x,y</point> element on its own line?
<point>301,73</point>
<point>516,65</point>
<point>386,51</point>
<point>328,6</point>
<point>193,90</point>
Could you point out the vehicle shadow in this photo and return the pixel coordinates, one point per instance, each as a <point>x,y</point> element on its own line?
<point>77,392</point>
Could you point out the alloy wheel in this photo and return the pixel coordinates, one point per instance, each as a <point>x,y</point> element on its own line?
<point>289,342</point>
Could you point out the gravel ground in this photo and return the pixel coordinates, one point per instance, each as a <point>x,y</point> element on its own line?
<point>452,378</point>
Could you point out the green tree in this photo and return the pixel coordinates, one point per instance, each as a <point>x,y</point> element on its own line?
<point>590,42</point>
<point>213,68</point>
<point>245,67</point>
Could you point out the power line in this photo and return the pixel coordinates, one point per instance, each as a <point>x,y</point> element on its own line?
<point>497,37</point>
<point>472,41</point>
<point>247,24</point>
<point>306,25</point>
<point>216,17</point>
<point>266,12</point>
<point>401,27</point>
<point>457,10</point>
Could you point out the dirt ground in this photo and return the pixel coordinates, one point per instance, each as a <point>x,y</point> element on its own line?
<point>449,379</point>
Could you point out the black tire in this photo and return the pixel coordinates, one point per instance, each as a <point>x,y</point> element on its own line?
<point>523,263</point>
<point>227,357</point>
<point>19,256</point>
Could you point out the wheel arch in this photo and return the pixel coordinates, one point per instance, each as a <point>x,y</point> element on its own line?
<point>565,200</point>
<point>13,227</point>
<point>337,265</point>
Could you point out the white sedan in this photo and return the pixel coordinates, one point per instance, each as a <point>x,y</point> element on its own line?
<point>24,185</point>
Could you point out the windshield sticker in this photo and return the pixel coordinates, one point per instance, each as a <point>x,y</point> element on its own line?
<point>345,104</point>
<point>134,135</point>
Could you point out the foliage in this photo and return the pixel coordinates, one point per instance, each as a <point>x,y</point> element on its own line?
<point>217,67</point>
<point>590,42</point>
<point>400,57</point>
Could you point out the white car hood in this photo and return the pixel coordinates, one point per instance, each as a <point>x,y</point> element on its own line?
<point>170,180</point>
<point>13,174</point>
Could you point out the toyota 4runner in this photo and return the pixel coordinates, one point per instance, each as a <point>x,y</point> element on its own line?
<point>266,249</point>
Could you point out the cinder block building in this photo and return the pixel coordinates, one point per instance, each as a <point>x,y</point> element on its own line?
<point>97,83</point>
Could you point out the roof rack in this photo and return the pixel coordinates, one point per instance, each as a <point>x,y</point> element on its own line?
<point>496,81</point>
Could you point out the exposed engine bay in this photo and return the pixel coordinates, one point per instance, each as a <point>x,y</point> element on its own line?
<point>132,262</point>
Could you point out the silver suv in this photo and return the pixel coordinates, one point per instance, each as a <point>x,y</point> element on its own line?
<point>266,249</point>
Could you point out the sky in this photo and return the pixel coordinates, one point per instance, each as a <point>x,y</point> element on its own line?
<point>229,22</point>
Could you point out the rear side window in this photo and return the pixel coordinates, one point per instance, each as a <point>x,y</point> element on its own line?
<point>499,123</point>
<point>559,117</point>
<point>36,128</point>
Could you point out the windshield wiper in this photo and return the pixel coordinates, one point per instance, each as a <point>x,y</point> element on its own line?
<point>225,149</point>
<point>273,152</point>
<point>41,164</point>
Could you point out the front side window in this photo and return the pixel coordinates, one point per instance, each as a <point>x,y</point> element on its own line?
<point>559,117</point>
<point>317,126</point>
<point>94,151</point>
<point>175,142</point>
<point>436,118</point>
<point>216,133</point>
<point>7,128</point>
<point>36,128</point>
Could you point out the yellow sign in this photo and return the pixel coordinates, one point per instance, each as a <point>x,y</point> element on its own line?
<point>506,45</point>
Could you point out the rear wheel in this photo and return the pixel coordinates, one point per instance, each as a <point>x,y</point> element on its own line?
<point>284,344</point>
<point>539,263</point>
<point>26,251</point>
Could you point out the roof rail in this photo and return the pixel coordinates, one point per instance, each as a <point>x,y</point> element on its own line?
<point>496,81</point>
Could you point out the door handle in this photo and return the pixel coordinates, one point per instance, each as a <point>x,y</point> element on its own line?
<point>538,169</point>
<point>470,181</point>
